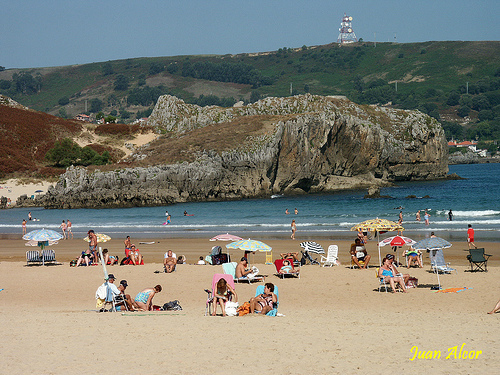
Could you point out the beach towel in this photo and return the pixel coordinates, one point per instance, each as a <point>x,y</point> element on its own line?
<point>244,309</point>
<point>453,290</point>
<point>231,308</point>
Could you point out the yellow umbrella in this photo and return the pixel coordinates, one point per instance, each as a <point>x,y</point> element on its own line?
<point>100,237</point>
<point>377,225</point>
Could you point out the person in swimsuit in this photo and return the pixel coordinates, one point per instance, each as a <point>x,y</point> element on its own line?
<point>390,274</point>
<point>264,302</point>
<point>169,262</point>
<point>222,293</point>
<point>426,217</point>
<point>134,255</point>
<point>144,300</point>
<point>287,268</point>
<point>417,216</point>
<point>413,257</point>
<point>63,227</point>
<point>93,244</point>
<point>24,226</point>
<point>291,256</point>
<point>127,243</point>
<point>359,254</point>
<point>68,229</point>
<point>294,229</point>
<point>496,308</point>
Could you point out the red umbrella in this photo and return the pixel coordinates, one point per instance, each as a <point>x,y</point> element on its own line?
<point>397,241</point>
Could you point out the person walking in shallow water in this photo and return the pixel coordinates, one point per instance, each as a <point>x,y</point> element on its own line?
<point>294,229</point>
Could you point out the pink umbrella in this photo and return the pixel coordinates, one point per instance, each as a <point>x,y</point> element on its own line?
<point>226,237</point>
<point>397,241</point>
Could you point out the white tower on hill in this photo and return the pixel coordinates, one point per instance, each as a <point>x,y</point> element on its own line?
<point>346,32</point>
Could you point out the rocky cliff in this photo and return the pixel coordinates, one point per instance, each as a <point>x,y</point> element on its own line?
<point>302,144</point>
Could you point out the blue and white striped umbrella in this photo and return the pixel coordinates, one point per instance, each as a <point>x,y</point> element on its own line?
<point>42,235</point>
<point>431,243</point>
<point>312,247</point>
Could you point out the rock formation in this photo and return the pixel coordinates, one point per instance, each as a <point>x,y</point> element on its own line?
<point>314,144</point>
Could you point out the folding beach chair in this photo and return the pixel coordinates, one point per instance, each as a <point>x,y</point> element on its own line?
<point>331,258</point>
<point>278,263</point>
<point>210,298</point>
<point>437,262</point>
<point>48,257</point>
<point>478,260</point>
<point>381,281</point>
<point>33,257</point>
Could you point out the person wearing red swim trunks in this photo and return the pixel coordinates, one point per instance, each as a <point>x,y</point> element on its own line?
<point>470,237</point>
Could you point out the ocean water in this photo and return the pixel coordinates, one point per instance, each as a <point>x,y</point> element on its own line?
<point>473,201</point>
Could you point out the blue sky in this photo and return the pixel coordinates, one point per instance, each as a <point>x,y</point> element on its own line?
<point>36,33</point>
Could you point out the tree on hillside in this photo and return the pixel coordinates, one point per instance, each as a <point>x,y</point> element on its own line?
<point>65,153</point>
<point>121,83</point>
<point>96,105</point>
<point>107,69</point>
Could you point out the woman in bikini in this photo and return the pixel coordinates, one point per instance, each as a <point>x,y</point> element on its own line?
<point>144,300</point>
<point>264,302</point>
<point>390,275</point>
<point>222,293</point>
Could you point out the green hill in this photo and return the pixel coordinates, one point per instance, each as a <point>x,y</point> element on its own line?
<point>456,82</point>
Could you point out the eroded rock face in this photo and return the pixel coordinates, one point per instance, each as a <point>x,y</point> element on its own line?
<point>320,144</point>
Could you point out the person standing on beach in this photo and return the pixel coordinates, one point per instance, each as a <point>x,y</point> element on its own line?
<point>417,216</point>
<point>470,237</point>
<point>68,229</point>
<point>400,220</point>
<point>294,229</point>
<point>24,226</point>
<point>450,215</point>
<point>63,227</point>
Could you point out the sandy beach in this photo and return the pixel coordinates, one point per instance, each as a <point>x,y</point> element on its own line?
<point>335,318</point>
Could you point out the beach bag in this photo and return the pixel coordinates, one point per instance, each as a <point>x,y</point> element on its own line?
<point>219,259</point>
<point>231,308</point>
<point>172,306</point>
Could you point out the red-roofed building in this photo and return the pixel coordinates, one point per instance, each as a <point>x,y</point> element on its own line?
<point>82,117</point>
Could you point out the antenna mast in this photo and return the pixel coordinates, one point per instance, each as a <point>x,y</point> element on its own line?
<point>346,32</point>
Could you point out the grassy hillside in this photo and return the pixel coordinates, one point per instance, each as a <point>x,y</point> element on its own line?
<point>426,75</point>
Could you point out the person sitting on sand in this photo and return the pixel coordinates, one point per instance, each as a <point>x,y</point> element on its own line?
<point>242,270</point>
<point>85,257</point>
<point>181,259</point>
<point>390,274</point>
<point>121,288</point>
<point>201,261</point>
<point>264,302</point>
<point>291,256</point>
<point>109,259</point>
<point>413,257</point>
<point>144,300</point>
<point>496,308</point>
<point>287,268</point>
<point>222,293</point>
<point>169,262</point>
<point>134,255</point>
<point>359,254</point>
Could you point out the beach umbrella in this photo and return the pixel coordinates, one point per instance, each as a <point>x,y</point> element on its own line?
<point>249,245</point>
<point>312,247</point>
<point>100,238</point>
<point>397,241</point>
<point>42,237</point>
<point>40,243</point>
<point>432,243</point>
<point>377,225</point>
<point>226,237</point>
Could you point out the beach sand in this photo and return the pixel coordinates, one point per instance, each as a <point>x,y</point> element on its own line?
<point>335,319</point>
